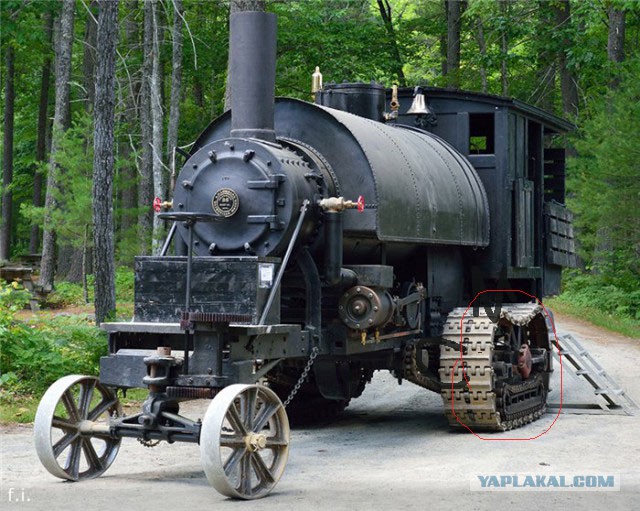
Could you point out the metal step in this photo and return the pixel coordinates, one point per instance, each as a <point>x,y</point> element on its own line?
<point>583,367</point>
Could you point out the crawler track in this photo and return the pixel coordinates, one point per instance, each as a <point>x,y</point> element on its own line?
<point>488,403</point>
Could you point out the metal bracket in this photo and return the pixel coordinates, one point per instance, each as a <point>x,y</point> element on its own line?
<point>285,260</point>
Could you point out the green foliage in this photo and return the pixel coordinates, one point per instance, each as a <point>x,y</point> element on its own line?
<point>595,315</point>
<point>13,296</point>
<point>600,292</point>
<point>125,284</point>
<point>74,195</point>
<point>605,189</point>
<point>35,354</point>
<point>67,294</point>
<point>32,356</point>
<point>346,39</point>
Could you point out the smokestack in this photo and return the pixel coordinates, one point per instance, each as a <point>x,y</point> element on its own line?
<point>252,64</point>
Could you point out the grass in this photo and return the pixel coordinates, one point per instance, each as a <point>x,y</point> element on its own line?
<point>21,408</point>
<point>613,322</point>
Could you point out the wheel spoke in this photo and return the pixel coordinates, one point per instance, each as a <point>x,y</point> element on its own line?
<point>231,441</point>
<point>102,407</point>
<point>90,453</point>
<point>72,467</point>
<point>251,397</point>
<point>84,401</point>
<point>266,412</point>
<point>263,473</point>
<point>276,441</point>
<point>70,404</point>
<point>235,420</point>
<point>64,442</point>
<point>64,424</point>
<point>232,461</point>
<point>245,474</point>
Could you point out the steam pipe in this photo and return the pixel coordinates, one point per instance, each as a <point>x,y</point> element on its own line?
<point>333,247</point>
<point>252,68</point>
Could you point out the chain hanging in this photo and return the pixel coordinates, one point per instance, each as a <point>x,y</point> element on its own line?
<point>148,443</point>
<point>303,376</point>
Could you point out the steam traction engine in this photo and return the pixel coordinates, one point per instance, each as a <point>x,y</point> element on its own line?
<point>285,287</point>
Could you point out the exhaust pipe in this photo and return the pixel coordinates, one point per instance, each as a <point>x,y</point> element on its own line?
<point>252,65</point>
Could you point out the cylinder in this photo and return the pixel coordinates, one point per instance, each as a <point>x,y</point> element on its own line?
<point>252,68</point>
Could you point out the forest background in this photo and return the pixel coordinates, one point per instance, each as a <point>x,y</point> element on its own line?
<point>154,75</point>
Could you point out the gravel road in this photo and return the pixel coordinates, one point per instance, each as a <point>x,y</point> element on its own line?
<point>390,450</point>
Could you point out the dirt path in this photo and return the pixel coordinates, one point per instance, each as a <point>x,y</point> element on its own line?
<point>585,329</point>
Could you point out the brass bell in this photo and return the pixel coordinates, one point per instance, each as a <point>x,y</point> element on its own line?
<point>419,105</point>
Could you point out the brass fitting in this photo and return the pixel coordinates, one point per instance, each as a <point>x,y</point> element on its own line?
<point>395,105</point>
<point>337,204</point>
<point>316,81</point>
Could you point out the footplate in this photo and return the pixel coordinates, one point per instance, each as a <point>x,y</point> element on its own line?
<point>487,403</point>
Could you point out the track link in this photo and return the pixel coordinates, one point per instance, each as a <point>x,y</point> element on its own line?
<point>480,405</point>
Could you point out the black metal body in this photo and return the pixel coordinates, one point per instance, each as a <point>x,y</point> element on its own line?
<point>472,202</point>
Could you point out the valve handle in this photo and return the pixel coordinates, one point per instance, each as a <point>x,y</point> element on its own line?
<point>157,204</point>
<point>360,204</point>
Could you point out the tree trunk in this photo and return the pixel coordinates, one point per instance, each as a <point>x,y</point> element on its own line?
<point>482,46</point>
<point>453,43</point>
<point>103,145</point>
<point>198,93</point>
<point>176,83</point>
<point>41,142</point>
<point>615,43</point>
<point>61,120</point>
<point>567,78</point>
<point>129,116</point>
<point>504,46</point>
<point>89,55</point>
<point>159,181</point>
<point>234,6</point>
<point>443,54</point>
<point>385,13</point>
<point>7,157</point>
<point>69,265</point>
<point>145,184</point>
<point>546,52</point>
